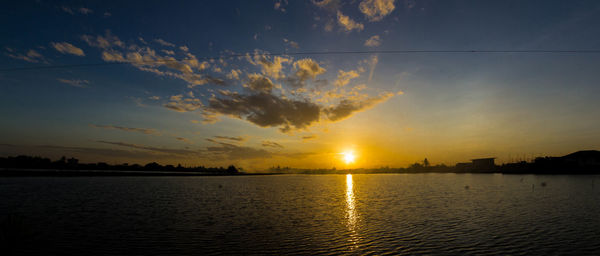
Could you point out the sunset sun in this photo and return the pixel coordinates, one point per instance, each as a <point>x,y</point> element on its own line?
<point>348,157</point>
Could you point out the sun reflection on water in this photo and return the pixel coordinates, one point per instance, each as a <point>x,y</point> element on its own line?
<point>351,215</point>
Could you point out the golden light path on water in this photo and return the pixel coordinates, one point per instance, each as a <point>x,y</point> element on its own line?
<point>351,215</point>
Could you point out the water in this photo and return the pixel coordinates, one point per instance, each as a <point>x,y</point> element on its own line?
<point>303,214</point>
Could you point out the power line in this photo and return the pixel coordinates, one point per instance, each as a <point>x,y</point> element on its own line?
<point>301,53</point>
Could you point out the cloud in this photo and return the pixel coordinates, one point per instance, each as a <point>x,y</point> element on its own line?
<point>31,55</point>
<point>82,10</point>
<point>107,41</point>
<point>291,43</point>
<point>181,104</point>
<point>234,74</point>
<point>271,67</point>
<point>236,139</point>
<point>295,155</point>
<point>67,10</point>
<point>375,10</point>
<point>329,26</point>
<point>275,91</point>
<point>149,60</point>
<point>372,63</point>
<point>183,139</point>
<point>234,152</point>
<point>85,11</point>
<point>112,56</point>
<point>75,82</point>
<point>347,107</point>
<point>272,144</point>
<point>153,149</point>
<point>344,78</point>
<point>259,83</point>
<point>163,42</point>
<point>347,23</point>
<point>261,104</point>
<point>65,48</point>
<point>309,137</point>
<point>267,110</point>
<point>327,4</point>
<point>168,52</point>
<point>373,41</point>
<point>85,152</point>
<point>127,129</point>
<point>280,4</point>
<point>304,69</point>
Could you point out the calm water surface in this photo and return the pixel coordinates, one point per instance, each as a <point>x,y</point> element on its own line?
<point>303,214</point>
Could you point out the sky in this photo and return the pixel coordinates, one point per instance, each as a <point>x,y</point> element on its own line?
<point>264,83</point>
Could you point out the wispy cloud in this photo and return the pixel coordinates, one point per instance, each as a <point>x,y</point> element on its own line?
<point>347,23</point>
<point>237,138</point>
<point>375,10</point>
<point>107,41</point>
<point>127,129</point>
<point>164,43</point>
<point>183,139</point>
<point>181,104</point>
<point>67,48</point>
<point>85,152</point>
<point>373,41</point>
<point>280,5</point>
<point>84,10</point>
<point>331,5</point>
<point>291,43</point>
<point>154,149</point>
<point>347,106</point>
<point>344,77</point>
<point>75,82</point>
<point>272,144</point>
<point>231,151</point>
<point>150,60</point>
<point>309,137</point>
<point>30,56</point>
<point>81,10</point>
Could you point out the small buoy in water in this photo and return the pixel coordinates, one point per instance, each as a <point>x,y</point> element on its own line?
<point>220,186</point>
<point>467,187</point>
<point>543,184</point>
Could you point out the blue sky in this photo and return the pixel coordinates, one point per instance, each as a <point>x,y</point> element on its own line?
<point>173,93</point>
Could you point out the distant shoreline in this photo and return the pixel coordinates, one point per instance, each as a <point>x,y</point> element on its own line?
<point>12,172</point>
<point>15,172</point>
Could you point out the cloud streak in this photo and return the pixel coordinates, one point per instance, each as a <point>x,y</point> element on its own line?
<point>373,41</point>
<point>271,144</point>
<point>75,82</point>
<point>30,56</point>
<point>67,48</point>
<point>236,139</point>
<point>127,129</point>
<point>347,23</point>
<point>153,149</point>
<point>376,10</point>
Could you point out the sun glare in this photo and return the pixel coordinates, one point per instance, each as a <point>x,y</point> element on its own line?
<point>348,157</point>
